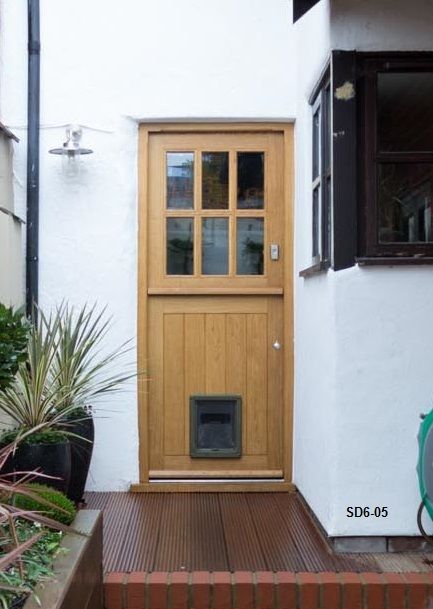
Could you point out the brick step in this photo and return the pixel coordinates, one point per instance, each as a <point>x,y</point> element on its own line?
<point>267,590</point>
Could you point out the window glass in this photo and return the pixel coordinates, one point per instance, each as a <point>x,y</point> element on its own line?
<point>180,180</point>
<point>321,165</point>
<point>316,143</point>
<point>215,180</point>
<point>249,246</point>
<point>405,198</point>
<point>316,224</point>
<point>327,129</point>
<point>250,180</point>
<point>180,240</point>
<point>327,218</point>
<point>215,246</point>
<point>404,111</point>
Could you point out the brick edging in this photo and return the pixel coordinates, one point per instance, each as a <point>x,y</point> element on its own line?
<point>268,590</point>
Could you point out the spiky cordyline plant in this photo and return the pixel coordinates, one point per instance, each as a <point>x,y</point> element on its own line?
<point>33,398</point>
<point>81,371</point>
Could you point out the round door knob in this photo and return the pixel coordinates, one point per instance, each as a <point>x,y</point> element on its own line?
<point>276,345</point>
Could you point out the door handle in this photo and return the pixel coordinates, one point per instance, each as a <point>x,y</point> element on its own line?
<point>276,345</point>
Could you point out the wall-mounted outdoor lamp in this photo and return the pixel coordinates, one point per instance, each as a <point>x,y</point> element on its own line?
<point>71,150</point>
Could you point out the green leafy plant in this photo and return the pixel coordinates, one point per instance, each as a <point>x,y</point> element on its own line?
<point>65,369</point>
<point>37,563</point>
<point>33,398</point>
<point>13,546</point>
<point>81,372</point>
<point>13,343</point>
<point>65,515</point>
<point>49,436</point>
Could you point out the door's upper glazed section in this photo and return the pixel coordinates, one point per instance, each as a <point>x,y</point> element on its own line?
<point>216,202</point>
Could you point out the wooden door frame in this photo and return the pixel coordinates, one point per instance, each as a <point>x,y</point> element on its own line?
<point>144,132</point>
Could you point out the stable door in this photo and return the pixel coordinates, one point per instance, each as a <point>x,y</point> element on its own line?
<point>214,305</point>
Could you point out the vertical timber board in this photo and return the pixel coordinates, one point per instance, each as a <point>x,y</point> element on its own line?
<point>195,353</point>
<point>173,379</point>
<point>156,413</point>
<point>288,346</point>
<point>257,380</point>
<point>142,354</point>
<point>215,352</point>
<point>275,398</point>
<point>236,363</point>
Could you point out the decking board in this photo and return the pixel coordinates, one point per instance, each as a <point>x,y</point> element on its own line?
<point>226,532</point>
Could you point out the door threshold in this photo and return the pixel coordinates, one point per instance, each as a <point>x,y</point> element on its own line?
<point>213,486</point>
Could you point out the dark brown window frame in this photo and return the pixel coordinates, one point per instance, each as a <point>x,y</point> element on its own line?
<point>321,150</point>
<point>341,248</point>
<point>320,260</point>
<point>370,249</point>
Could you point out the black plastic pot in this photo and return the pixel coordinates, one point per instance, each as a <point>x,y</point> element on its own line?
<point>81,454</point>
<point>50,459</point>
<point>18,603</point>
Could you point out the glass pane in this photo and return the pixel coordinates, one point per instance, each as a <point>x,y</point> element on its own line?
<point>180,180</point>
<point>316,144</point>
<point>315,222</point>
<point>215,180</point>
<point>404,116</point>
<point>251,180</point>
<point>327,129</point>
<point>327,223</point>
<point>249,246</point>
<point>215,246</point>
<point>180,240</point>
<point>405,194</point>
<point>216,424</point>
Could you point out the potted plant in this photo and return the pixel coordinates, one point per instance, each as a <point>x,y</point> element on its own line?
<point>64,372</point>
<point>83,374</point>
<point>21,532</point>
<point>32,403</point>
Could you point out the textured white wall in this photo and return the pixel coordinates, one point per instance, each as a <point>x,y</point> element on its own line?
<point>384,359</point>
<point>315,338</point>
<point>363,336</point>
<point>107,65</point>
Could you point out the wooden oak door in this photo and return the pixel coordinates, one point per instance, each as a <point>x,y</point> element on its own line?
<point>215,296</point>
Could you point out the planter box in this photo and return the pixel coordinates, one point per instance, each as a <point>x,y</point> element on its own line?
<point>77,583</point>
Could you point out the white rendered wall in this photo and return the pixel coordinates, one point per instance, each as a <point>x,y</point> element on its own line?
<point>315,339</point>
<point>108,65</point>
<point>364,334</point>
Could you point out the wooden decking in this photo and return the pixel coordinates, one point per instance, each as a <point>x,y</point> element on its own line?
<point>225,532</point>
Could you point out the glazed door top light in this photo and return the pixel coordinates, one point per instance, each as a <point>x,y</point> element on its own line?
<point>216,215</point>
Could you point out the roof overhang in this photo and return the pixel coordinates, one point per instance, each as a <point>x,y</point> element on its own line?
<point>302,6</point>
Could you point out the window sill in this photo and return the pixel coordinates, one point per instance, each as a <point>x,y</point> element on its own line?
<point>394,261</point>
<point>10,213</point>
<point>315,269</point>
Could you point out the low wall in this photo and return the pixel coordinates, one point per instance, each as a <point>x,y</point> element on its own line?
<point>78,573</point>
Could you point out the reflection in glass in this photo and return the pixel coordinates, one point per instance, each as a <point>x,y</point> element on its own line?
<point>251,180</point>
<point>405,195</point>
<point>215,180</point>
<point>215,246</point>
<point>316,143</point>
<point>249,246</point>
<point>315,223</point>
<point>327,131</point>
<point>405,101</point>
<point>180,180</point>
<point>180,240</point>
